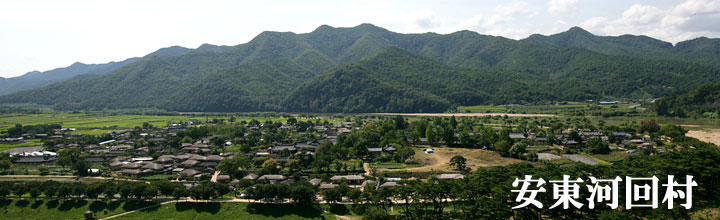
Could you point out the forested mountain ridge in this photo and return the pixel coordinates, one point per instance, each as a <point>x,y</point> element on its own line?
<point>37,79</point>
<point>284,71</point>
<point>701,50</point>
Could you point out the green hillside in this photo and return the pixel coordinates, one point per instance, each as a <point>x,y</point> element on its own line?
<point>370,69</point>
<point>702,50</point>
<point>703,101</point>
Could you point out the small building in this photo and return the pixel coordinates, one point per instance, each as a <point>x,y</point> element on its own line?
<point>131,172</point>
<point>450,176</point>
<point>187,173</point>
<point>388,184</point>
<point>351,179</point>
<point>328,186</point>
<point>107,142</point>
<point>374,150</point>
<point>251,176</point>
<point>517,136</point>
<point>281,147</point>
<point>190,163</point>
<point>315,181</point>
<point>36,160</point>
<point>223,178</point>
<point>271,178</point>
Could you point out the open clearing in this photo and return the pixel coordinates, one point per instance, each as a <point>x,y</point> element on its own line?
<point>467,114</point>
<point>440,160</point>
<point>712,135</point>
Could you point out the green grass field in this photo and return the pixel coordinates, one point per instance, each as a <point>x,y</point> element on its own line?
<point>100,123</point>
<point>86,123</point>
<point>394,165</point>
<point>227,210</point>
<point>71,209</point>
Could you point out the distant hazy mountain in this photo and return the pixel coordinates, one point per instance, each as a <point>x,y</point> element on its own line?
<point>701,50</point>
<point>37,79</point>
<point>370,69</point>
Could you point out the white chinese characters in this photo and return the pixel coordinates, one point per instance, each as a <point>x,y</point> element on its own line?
<point>639,192</point>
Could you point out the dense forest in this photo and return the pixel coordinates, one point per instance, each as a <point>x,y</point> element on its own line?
<point>703,101</point>
<point>370,69</point>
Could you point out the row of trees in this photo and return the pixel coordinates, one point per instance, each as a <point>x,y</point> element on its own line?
<point>300,192</point>
<point>106,190</point>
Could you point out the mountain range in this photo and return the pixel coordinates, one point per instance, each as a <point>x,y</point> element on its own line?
<point>370,69</point>
<point>37,79</point>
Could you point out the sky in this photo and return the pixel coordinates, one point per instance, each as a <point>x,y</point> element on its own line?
<point>47,34</point>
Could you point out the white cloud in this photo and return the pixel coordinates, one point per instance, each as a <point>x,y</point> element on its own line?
<point>689,19</point>
<point>426,20</point>
<point>499,22</point>
<point>561,6</point>
<point>642,15</point>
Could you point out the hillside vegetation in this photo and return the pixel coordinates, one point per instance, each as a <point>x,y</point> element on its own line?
<point>370,69</point>
<point>703,101</point>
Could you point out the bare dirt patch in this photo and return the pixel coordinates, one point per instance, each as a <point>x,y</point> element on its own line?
<point>466,114</point>
<point>712,135</point>
<point>440,160</point>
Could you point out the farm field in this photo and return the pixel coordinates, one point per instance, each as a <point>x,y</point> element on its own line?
<point>545,109</point>
<point>687,123</point>
<point>70,209</point>
<point>97,122</point>
<point>228,210</point>
<point>27,143</point>
<point>88,122</point>
<point>467,114</point>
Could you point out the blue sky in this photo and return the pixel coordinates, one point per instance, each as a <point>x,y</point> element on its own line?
<point>42,35</point>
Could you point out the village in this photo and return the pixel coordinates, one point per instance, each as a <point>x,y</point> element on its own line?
<point>158,151</point>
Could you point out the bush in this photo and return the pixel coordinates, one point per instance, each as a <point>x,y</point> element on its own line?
<point>377,214</point>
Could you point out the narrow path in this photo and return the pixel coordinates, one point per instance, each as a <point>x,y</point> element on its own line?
<point>366,167</point>
<point>140,209</point>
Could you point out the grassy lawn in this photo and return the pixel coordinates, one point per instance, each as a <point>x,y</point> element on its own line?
<point>55,209</point>
<point>221,210</point>
<point>159,177</point>
<point>394,165</point>
<point>439,161</point>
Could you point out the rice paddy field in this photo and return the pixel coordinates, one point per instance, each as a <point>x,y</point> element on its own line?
<point>567,108</point>
<point>99,123</point>
<point>27,143</point>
